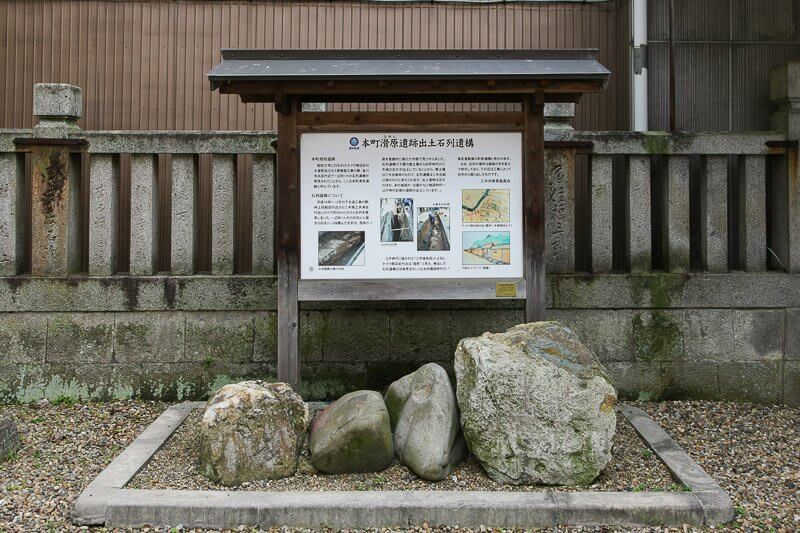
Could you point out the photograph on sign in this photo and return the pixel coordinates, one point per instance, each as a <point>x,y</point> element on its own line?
<point>341,248</point>
<point>411,205</point>
<point>433,229</point>
<point>396,219</point>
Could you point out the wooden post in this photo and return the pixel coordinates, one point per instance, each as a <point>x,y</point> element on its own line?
<point>288,249</point>
<point>533,214</point>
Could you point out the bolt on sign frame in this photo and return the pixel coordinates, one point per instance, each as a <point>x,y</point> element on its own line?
<point>290,78</point>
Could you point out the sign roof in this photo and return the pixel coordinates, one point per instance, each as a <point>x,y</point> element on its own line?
<point>332,65</point>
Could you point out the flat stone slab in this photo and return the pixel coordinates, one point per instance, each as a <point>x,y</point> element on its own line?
<point>107,502</point>
<point>9,438</point>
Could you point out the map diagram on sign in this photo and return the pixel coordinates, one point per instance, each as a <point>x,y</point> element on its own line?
<point>480,206</point>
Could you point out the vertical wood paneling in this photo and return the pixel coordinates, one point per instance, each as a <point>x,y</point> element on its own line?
<point>142,63</point>
<point>725,49</point>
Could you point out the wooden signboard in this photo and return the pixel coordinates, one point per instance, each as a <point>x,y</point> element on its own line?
<point>371,222</point>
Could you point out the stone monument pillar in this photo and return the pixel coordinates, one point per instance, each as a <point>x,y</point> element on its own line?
<point>559,189</point>
<point>55,175</point>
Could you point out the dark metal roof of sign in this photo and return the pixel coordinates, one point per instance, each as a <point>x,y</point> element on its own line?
<point>331,65</point>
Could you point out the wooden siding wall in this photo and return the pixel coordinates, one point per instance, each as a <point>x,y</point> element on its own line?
<point>724,50</point>
<point>142,64</point>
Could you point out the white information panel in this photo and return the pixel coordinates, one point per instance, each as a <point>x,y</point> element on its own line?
<point>410,205</point>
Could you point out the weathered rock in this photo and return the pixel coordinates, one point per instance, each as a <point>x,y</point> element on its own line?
<point>352,435</point>
<point>424,416</point>
<point>536,405</point>
<point>9,438</point>
<point>252,430</point>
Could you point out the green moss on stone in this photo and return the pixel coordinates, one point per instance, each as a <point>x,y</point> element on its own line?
<point>584,463</point>
<point>656,143</point>
<point>132,334</point>
<point>657,339</point>
<point>660,288</point>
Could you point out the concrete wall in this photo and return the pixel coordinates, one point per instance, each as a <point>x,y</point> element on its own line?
<point>715,336</point>
<point>667,328</point>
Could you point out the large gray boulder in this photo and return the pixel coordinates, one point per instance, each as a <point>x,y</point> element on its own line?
<point>352,435</point>
<point>252,430</point>
<point>536,405</point>
<point>424,416</point>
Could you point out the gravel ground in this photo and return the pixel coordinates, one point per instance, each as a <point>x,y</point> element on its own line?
<point>175,466</point>
<point>63,448</point>
<point>753,451</point>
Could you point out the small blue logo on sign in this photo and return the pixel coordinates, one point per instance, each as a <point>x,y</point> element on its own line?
<point>353,141</point>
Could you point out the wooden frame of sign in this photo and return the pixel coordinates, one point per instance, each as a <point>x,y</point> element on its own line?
<point>288,98</point>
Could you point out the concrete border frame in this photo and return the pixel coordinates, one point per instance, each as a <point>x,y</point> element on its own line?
<point>107,502</point>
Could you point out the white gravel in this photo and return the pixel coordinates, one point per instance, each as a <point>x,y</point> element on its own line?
<point>175,466</point>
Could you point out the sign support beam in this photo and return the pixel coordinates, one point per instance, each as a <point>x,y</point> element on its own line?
<point>533,212</point>
<point>288,244</point>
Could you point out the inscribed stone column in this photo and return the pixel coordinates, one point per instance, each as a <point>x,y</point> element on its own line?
<point>103,182</point>
<point>184,187</point>
<point>223,175</point>
<point>11,238</point>
<point>752,213</point>
<point>559,190</point>
<point>54,179</point>
<point>602,229</point>
<point>714,219</point>
<point>678,213</point>
<point>639,212</point>
<point>263,213</point>
<point>144,215</point>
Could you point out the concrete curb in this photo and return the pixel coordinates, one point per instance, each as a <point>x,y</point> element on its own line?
<point>91,506</point>
<point>106,501</point>
<point>372,509</point>
<point>717,505</point>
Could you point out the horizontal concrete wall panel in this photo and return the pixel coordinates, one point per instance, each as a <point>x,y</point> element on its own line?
<point>152,293</point>
<point>180,338</point>
<point>750,381</point>
<point>80,338</point>
<point>791,383</point>
<point>219,337</point>
<point>23,338</point>
<point>149,337</point>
